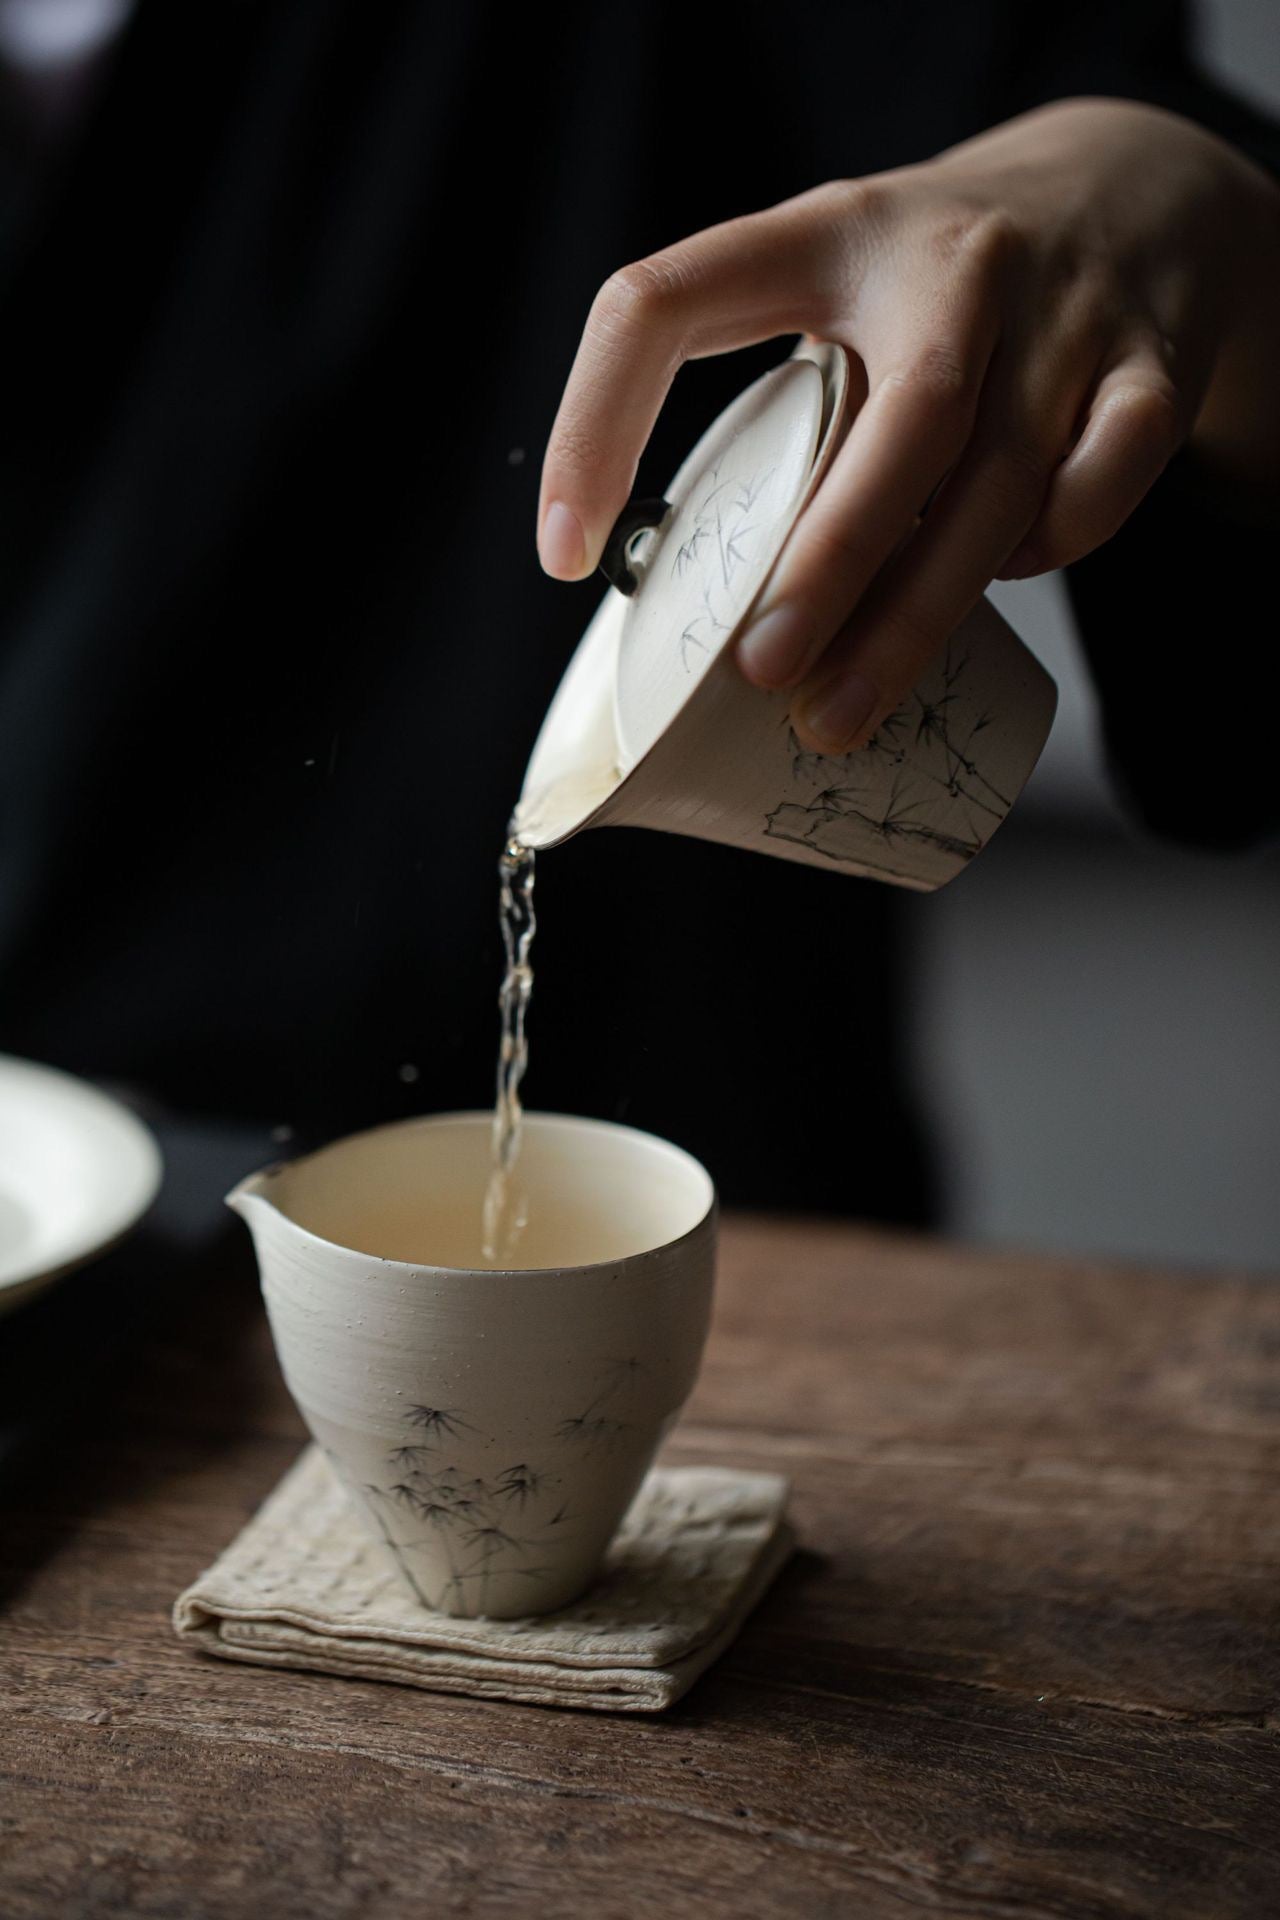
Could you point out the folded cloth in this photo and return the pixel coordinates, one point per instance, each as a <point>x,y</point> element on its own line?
<point>304,1586</point>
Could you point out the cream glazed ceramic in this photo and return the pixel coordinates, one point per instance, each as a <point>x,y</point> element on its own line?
<point>78,1171</point>
<point>654,726</point>
<point>491,1427</point>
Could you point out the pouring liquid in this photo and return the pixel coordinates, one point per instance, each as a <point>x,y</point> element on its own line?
<point>506,1201</point>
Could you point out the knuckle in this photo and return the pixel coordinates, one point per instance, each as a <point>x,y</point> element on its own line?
<point>840,219</point>
<point>1151,415</point>
<point>845,200</point>
<point>992,241</point>
<point>973,240</point>
<point>1090,287</point>
<point>645,292</point>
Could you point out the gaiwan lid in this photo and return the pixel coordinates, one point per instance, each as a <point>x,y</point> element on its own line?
<point>731,507</point>
<point>654,725</point>
<point>684,572</point>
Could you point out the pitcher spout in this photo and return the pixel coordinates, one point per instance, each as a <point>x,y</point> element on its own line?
<point>249,1197</point>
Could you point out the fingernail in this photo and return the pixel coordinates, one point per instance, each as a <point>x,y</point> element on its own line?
<point>562,546</point>
<point>837,715</point>
<point>772,650</point>
<point>1022,561</point>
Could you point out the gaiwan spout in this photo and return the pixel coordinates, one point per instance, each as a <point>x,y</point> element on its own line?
<point>577,763</point>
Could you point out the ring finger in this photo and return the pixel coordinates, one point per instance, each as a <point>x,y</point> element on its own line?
<point>982,513</point>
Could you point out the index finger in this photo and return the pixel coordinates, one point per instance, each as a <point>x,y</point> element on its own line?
<point>733,285</point>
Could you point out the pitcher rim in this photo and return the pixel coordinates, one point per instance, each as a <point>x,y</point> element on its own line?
<point>251,1187</point>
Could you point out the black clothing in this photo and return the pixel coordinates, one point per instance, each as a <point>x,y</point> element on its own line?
<point>281,343</point>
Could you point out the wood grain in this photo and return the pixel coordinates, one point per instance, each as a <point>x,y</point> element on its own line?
<point>1026,1663</point>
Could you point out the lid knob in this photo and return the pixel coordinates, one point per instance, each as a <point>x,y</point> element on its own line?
<point>637,517</point>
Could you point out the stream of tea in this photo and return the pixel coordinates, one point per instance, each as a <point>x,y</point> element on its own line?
<point>506,1202</point>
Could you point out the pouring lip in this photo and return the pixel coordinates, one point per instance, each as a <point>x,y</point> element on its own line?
<point>654,758</point>
<point>250,1189</point>
<point>539,841</point>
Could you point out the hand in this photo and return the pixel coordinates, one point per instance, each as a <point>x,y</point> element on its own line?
<point>1037,320</point>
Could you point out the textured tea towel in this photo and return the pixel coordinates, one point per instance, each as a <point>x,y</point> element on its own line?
<point>303,1586</point>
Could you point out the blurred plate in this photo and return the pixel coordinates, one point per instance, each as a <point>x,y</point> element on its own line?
<point>77,1170</point>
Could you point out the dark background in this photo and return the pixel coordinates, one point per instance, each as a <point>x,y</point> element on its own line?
<point>247,827</point>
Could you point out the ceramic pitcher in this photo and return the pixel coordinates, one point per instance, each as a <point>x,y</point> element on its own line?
<point>654,726</point>
<point>490,1427</point>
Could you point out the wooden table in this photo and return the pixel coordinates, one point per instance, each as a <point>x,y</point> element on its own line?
<point>1025,1663</point>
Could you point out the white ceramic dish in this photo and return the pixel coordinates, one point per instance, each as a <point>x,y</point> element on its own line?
<point>77,1171</point>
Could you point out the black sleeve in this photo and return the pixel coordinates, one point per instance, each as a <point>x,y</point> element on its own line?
<point>1177,618</point>
<point>1177,613</point>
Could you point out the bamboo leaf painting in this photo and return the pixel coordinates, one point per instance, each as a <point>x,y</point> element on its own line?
<point>917,787</point>
<point>482,1524</point>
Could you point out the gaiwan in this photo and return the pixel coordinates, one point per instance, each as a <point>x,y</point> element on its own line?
<point>654,726</point>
